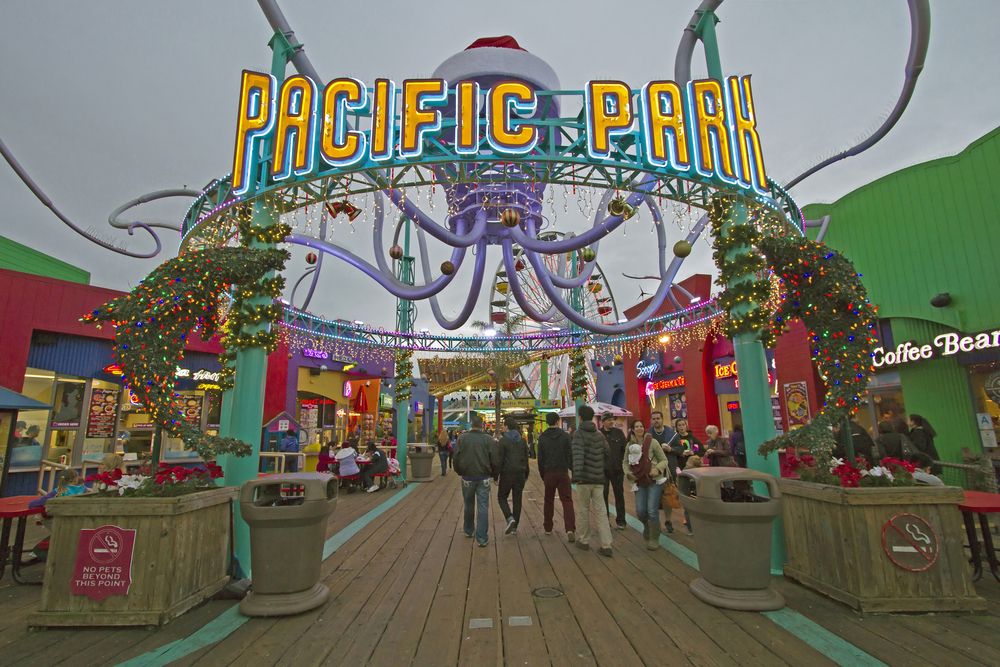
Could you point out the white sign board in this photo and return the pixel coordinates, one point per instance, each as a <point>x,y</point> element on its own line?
<point>282,424</point>
<point>986,432</point>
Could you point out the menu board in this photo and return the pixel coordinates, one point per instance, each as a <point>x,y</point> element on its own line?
<point>101,415</point>
<point>190,407</point>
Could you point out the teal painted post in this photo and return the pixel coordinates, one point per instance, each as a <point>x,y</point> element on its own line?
<point>755,391</point>
<point>402,422</point>
<point>247,401</point>
<point>247,411</point>
<point>706,31</point>
<point>543,379</point>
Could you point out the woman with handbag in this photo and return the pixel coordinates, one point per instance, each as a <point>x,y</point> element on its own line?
<point>647,486</point>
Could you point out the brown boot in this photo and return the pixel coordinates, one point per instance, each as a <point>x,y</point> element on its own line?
<point>653,540</point>
<point>645,530</point>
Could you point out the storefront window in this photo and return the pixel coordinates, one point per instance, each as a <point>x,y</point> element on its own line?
<point>32,425</point>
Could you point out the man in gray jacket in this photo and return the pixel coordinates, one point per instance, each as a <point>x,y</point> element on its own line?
<point>476,460</point>
<point>591,466</point>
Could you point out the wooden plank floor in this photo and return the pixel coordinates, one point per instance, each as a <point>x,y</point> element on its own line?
<point>404,589</point>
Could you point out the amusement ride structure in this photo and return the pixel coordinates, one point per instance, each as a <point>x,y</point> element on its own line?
<point>497,139</point>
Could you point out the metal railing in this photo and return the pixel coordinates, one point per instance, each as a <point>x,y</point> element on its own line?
<point>971,476</point>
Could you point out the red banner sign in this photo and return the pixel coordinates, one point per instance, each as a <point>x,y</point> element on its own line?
<point>103,562</point>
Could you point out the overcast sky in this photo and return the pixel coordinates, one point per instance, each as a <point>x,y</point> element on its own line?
<point>104,101</point>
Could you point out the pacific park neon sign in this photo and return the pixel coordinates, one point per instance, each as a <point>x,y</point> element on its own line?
<point>706,127</point>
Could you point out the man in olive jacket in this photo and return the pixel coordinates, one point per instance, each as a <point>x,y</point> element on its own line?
<point>512,450</point>
<point>591,466</point>
<point>475,460</point>
<point>617,442</point>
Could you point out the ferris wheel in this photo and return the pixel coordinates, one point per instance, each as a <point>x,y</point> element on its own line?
<point>594,300</point>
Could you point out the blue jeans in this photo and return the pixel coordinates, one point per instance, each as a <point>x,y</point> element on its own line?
<point>444,461</point>
<point>477,503</point>
<point>647,502</point>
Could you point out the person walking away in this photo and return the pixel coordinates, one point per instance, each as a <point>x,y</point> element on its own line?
<point>475,460</point>
<point>647,484</point>
<point>288,445</point>
<point>512,452</point>
<point>892,444</point>
<point>738,446</point>
<point>670,443</point>
<point>555,460</point>
<point>862,441</point>
<point>378,465</point>
<point>922,435</point>
<point>617,442</point>
<point>717,449</point>
<point>532,452</point>
<point>591,466</point>
<point>443,450</point>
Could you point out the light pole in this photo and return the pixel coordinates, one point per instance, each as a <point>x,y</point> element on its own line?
<point>468,407</point>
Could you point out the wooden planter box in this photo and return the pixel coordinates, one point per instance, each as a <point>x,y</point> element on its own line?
<point>833,536</point>
<point>180,557</point>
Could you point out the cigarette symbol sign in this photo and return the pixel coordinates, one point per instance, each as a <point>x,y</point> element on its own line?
<point>910,542</point>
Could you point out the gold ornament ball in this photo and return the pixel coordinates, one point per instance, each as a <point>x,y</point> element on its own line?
<point>510,218</point>
<point>447,268</point>
<point>682,249</point>
<point>396,252</point>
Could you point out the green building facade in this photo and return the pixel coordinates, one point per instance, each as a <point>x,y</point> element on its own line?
<point>930,230</point>
<point>17,257</point>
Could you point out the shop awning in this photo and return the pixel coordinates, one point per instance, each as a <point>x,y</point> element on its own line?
<point>599,409</point>
<point>11,400</point>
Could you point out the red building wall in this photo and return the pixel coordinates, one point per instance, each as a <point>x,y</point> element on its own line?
<point>792,359</point>
<point>34,303</point>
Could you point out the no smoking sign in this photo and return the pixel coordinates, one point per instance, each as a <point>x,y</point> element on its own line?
<point>910,542</point>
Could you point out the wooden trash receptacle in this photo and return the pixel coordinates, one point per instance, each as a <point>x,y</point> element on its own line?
<point>179,557</point>
<point>840,542</point>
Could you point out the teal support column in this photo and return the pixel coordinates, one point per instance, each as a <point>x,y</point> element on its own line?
<point>247,407</point>
<point>755,390</point>
<point>402,423</point>
<point>543,379</point>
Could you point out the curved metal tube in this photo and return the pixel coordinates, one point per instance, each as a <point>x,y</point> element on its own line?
<point>470,301</point>
<point>682,61</point>
<point>37,191</point>
<point>145,199</point>
<point>595,233</point>
<point>278,23</point>
<point>823,224</point>
<point>305,274</point>
<point>920,31</point>
<point>396,288</point>
<point>434,229</point>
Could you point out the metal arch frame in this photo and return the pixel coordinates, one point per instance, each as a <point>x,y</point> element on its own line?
<point>298,322</point>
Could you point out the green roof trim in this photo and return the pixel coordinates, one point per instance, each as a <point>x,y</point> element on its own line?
<point>17,257</point>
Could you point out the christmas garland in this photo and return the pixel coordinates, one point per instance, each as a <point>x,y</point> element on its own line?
<point>404,374</point>
<point>578,379</point>
<point>741,277</point>
<point>824,291</point>
<point>154,320</point>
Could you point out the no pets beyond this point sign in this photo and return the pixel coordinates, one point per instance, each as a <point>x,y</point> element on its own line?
<point>103,562</point>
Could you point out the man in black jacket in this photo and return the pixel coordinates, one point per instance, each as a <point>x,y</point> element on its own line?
<point>617,442</point>
<point>591,466</point>
<point>555,459</point>
<point>475,459</point>
<point>512,451</point>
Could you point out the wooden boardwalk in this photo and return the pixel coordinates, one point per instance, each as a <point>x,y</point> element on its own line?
<point>405,587</point>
